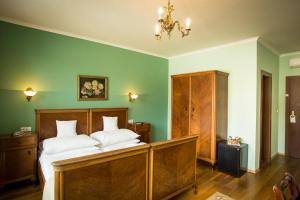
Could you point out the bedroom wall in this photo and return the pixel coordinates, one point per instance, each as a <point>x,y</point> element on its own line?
<point>240,61</point>
<point>284,71</point>
<point>268,61</point>
<point>50,63</point>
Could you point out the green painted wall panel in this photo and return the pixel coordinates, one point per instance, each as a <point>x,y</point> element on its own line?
<point>268,62</point>
<point>50,63</point>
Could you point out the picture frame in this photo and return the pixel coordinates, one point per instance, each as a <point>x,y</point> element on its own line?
<point>92,88</point>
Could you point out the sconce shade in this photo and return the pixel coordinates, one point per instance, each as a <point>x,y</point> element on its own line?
<point>132,97</point>
<point>29,92</point>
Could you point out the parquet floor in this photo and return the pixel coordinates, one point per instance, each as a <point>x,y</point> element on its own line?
<point>248,187</point>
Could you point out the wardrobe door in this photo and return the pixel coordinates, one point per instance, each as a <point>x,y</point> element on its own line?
<point>180,106</point>
<point>201,113</point>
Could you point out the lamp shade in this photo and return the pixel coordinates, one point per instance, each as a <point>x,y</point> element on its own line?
<point>29,92</point>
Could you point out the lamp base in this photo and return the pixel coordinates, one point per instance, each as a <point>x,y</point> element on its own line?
<point>28,98</point>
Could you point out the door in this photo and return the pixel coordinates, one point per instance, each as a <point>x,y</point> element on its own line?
<point>292,134</point>
<point>201,113</point>
<point>266,116</point>
<point>180,106</point>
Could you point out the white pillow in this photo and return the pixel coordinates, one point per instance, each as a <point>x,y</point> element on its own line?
<point>107,138</point>
<point>110,123</point>
<point>61,144</point>
<point>66,128</point>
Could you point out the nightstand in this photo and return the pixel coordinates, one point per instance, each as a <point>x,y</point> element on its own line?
<point>232,159</point>
<point>18,156</point>
<point>142,129</point>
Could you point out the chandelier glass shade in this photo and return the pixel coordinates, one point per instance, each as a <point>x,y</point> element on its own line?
<point>167,24</point>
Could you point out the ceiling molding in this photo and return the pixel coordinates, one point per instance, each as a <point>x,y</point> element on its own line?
<point>291,54</point>
<point>21,23</point>
<point>268,46</point>
<point>216,47</point>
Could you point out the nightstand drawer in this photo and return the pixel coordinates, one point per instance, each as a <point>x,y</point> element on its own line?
<point>18,157</point>
<point>18,163</point>
<point>143,128</point>
<point>13,142</point>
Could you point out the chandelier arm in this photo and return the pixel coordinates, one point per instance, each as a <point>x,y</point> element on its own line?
<point>181,29</point>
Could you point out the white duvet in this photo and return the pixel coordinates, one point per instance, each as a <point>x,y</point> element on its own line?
<point>47,168</point>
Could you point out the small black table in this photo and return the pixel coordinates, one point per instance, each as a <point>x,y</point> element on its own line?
<point>232,160</point>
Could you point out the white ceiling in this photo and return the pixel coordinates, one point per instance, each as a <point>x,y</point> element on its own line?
<point>130,23</point>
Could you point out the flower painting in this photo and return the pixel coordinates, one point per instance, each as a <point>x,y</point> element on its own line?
<point>92,88</point>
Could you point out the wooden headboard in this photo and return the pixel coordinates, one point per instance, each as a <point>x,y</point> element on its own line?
<point>88,120</point>
<point>96,122</point>
<point>46,121</point>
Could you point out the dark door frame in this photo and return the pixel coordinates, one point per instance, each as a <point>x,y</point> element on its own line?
<point>268,75</point>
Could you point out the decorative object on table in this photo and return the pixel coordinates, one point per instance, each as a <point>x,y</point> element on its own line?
<point>234,141</point>
<point>92,88</point>
<point>29,93</point>
<point>219,196</point>
<point>143,129</point>
<point>20,155</point>
<point>232,159</point>
<point>132,97</point>
<point>287,188</point>
<point>167,24</point>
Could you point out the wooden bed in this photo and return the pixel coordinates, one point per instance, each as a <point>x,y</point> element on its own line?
<point>151,171</point>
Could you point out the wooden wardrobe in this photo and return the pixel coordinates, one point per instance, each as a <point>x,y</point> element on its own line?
<point>199,107</point>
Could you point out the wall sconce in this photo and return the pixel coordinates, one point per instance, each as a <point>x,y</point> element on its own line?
<point>29,92</point>
<point>132,97</point>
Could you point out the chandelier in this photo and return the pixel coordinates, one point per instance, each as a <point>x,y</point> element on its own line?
<point>167,24</point>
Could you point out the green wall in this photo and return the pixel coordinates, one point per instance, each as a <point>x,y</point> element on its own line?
<point>268,62</point>
<point>50,64</point>
<point>284,71</point>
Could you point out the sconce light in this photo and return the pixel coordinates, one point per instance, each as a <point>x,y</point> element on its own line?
<point>29,92</point>
<point>132,97</point>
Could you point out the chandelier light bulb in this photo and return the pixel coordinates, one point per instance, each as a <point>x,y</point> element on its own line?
<point>188,24</point>
<point>160,13</point>
<point>157,29</point>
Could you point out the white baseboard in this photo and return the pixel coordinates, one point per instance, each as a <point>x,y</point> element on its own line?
<point>253,171</point>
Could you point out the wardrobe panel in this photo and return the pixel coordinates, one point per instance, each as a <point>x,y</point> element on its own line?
<point>180,106</point>
<point>202,118</point>
<point>221,105</point>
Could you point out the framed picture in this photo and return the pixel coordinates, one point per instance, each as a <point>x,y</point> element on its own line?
<point>92,88</point>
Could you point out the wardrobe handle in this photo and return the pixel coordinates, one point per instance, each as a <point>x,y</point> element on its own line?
<point>29,152</point>
<point>193,109</point>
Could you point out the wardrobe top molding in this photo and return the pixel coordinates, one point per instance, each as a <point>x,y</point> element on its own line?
<point>201,73</point>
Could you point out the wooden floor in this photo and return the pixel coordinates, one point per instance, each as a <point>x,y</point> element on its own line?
<point>250,186</point>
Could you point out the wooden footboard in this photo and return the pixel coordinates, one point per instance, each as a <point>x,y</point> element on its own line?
<point>172,167</point>
<point>121,174</point>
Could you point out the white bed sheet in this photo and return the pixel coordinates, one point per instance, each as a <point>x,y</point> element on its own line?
<point>46,160</point>
<point>47,168</point>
